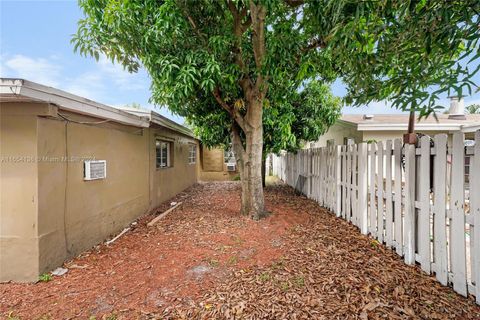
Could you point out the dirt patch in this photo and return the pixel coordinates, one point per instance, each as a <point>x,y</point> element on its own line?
<point>194,248</point>
<point>205,261</point>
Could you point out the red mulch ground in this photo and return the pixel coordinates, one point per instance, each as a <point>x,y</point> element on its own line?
<point>205,261</point>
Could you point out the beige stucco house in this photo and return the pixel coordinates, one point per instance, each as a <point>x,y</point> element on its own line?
<point>217,164</point>
<point>74,171</point>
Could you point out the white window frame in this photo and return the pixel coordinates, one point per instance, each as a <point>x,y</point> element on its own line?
<point>229,156</point>
<point>192,154</point>
<point>162,160</point>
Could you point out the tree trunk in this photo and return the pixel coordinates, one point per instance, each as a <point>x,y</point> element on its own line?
<point>249,152</point>
<point>240,158</point>
<point>254,146</point>
<point>249,161</point>
<point>410,137</point>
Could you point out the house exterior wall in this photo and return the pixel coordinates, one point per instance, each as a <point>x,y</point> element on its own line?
<point>179,176</point>
<point>18,194</point>
<point>49,213</point>
<point>213,167</point>
<point>392,135</point>
<point>338,132</point>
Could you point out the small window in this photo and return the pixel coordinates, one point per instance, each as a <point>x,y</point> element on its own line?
<point>192,154</point>
<point>163,154</point>
<point>228,156</point>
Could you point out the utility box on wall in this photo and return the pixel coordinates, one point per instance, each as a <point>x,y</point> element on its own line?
<point>94,169</point>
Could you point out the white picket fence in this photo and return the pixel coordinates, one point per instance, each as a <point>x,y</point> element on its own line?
<point>415,200</point>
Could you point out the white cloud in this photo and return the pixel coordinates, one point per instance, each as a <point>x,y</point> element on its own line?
<point>95,83</point>
<point>35,69</point>
<point>121,77</point>
<point>88,84</point>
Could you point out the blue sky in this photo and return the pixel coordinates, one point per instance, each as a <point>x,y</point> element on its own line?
<point>35,45</point>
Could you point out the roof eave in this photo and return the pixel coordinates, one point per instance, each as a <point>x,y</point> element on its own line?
<point>15,88</point>
<point>167,123</point>
<point>401,127</point>
<point>470,128</point>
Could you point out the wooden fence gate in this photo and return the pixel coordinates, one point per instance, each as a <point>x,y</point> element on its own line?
<point>423,202</point>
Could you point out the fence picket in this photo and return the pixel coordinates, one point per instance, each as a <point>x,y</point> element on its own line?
<point>380,221</point>
<point>353,192</point>
<point>457,228</point>
<point>398,220</point>
<point>317,174</point>
<point>373,216</point>
<point>409,205</point>
<point>424,199</point>
<point>344,180</point>
<point>338,168</point>
<point>388,195</point>
<point>439,217</point>
<point>348,204</point>
<point>362,188</point>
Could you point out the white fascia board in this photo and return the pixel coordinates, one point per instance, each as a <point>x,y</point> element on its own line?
<point>160,120</point>
<point>167,123</point>
<point>68,101</point>
<point>402,127</point>
<point>346,123</point>
<point>470,128</point>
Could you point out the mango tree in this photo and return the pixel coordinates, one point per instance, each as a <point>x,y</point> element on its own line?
<point>228,66</point>
<point>220,64</point>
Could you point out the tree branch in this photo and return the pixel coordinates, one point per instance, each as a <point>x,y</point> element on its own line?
<point>258,14</point>
<point>237,144</point>
<point>258,38</point>
<point>234,114</point>
<point>238,29</point>
<point>194,26</point>
<point>318,43</point>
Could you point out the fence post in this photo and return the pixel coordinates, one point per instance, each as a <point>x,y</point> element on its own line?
<point>409,235</point>
<point>475,211</point>
<point>457,202</point>
<point>440,213</point>
<point>362,188</point>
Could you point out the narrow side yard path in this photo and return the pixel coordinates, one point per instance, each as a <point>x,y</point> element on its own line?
<point>205,261</point>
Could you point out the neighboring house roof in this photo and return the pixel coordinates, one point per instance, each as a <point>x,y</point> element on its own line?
<point>20,90</point>
<point>395,122</point>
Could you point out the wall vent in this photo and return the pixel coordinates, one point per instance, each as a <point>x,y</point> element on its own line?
<point>94,169</point>
<point>231,167</point>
